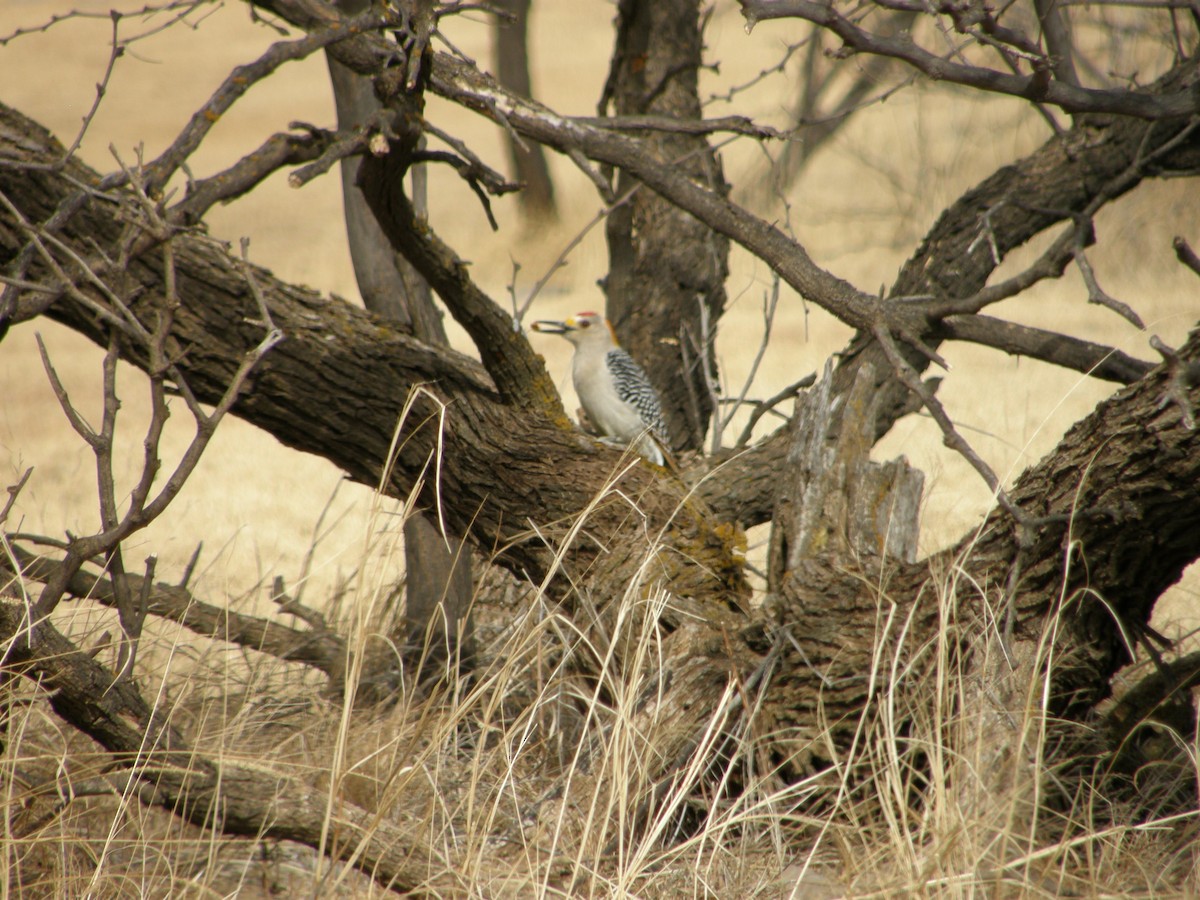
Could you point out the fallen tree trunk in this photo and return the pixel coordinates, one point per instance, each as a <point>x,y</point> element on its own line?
<point>212,792</point>
<point>343,383</point>
<point>337,387</point>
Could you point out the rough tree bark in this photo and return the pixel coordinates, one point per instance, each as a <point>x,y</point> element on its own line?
<point>1099,159</point>
<point>666,286</point>
<point>490,440</point>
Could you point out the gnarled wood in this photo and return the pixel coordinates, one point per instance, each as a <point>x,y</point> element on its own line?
<point>513,478</point>
<point>833,502</point>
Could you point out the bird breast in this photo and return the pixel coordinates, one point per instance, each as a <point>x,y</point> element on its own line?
<point>608,412</point>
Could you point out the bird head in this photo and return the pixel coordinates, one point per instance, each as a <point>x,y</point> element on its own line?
<point>579,328</point>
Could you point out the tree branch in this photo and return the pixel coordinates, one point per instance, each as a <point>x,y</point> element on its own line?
<point>323,650</point>
<point>1037,87</point>
<point>209,792</point>
<point>242,79</point>
<point>342,381</point>
<point>1097,360</point>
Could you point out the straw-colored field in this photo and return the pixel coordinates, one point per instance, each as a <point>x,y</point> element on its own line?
<point>861,208</point>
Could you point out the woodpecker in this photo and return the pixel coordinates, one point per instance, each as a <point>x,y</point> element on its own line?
<point>617,396</point>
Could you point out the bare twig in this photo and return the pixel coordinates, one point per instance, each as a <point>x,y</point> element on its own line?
<point>1039,86</point>
<point>1051,264</point>
<point>314,619</point>
<point>321,649</point>
<point>13,491</point>
<point>1097,294</point>
<point>116,52</point>
<point>561,259</point>
<point>142,510</point>
<point>190,568</point>
<point>824,104</point>
<point>779,67</point>
<point>1185,254</point>
<point>988,233</point>
<point>770,302</point>
<point>593,174</point>
<point>180,8</point>
<point>474,168</point>
<point>471,176</point>
<point>950,435</point>
<point>81,426</point>
<point>66,284</point>
<point>763,407</point>
<point>668,124</point>
<point>243,78</point>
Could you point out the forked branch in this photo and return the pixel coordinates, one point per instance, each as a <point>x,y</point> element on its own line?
<point>1040,85</point>
<point>142,509</point>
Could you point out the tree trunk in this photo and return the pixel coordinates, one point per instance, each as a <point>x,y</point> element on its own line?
<point>439,585</point>
<point>666,276</point>
<point>511,52</point>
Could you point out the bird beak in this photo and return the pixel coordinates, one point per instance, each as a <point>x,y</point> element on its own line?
<point>550,326</point>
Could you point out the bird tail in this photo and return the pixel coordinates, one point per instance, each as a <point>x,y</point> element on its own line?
<point>655,449</point>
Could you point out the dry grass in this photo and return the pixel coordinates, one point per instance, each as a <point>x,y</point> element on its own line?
<point>522,778</point>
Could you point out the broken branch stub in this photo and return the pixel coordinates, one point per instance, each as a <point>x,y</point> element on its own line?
<point>833,500</point>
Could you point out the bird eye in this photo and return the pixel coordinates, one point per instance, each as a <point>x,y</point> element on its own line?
<point>585,323</point>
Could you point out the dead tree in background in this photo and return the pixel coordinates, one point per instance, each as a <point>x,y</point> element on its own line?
<point>828,90</point>
<point>510,41</point>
